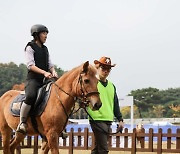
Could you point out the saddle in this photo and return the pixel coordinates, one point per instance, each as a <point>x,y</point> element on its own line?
<point>39,105</point>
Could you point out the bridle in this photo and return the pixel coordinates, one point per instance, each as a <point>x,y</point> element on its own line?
<point>82,100</point>
<point>85,96</point>
<point>84,93</point>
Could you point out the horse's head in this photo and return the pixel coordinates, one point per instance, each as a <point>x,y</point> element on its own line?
<point>87,86</point>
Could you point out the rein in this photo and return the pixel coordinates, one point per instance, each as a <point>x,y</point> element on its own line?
<point>83,103</point>
<point>82,100</point>
<point>119,129</point>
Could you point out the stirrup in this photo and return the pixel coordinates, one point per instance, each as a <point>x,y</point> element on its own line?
<point>22,128</point>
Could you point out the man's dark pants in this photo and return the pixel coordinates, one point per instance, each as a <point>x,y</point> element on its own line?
<point>101,137</point>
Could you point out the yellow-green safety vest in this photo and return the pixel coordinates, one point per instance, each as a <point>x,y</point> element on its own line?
<point>106,112</point>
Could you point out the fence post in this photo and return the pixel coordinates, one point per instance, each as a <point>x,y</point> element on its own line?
<point>110,138</point>
<point>178,139</point>
<point>133,149</point>
<point>65,141</point>
<point>86,138</point>
<point>142,139</point>
<point>117,141</point>
<point>29,141</point>
<point>151,139</point>
<point>79,137</point>
<point>93,141</point>
<point>71,141</point>
<point>35,145</point>
<point>159,144</point>
<point>169,139</point>
<point>126,138</point>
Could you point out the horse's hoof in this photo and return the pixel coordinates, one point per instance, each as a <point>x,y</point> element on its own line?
<point>21,132</point>
<point>20,135</point>
<point>64,135</point>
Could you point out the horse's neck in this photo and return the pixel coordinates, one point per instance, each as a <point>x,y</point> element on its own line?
<point>69,81</point>
<point>66,85</point>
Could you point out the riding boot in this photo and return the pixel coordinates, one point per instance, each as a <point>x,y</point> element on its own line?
<point>24,112</point>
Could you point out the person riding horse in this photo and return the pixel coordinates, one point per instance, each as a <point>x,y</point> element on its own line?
<point>76,85</point>
<point>39,66</point>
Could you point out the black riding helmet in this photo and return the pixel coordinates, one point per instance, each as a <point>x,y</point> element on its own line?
<point>36,29</point>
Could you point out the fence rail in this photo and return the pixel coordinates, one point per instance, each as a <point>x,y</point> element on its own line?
<point>127,141</point>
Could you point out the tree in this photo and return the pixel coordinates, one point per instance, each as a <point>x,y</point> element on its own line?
<point>126,112</point>
<point>59,71</point>
<point>158,111</point>
<point>11,74</point>
<point>176,109</point>
<point>144,99</point>
<point>150,100</point>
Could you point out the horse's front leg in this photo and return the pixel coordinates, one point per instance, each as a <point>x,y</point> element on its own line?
<point>15,141</point>
<point>44,147</point>
<point>52,138</point>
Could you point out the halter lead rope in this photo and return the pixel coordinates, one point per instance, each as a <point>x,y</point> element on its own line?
<point>119,129</point>
<point>81,100</point>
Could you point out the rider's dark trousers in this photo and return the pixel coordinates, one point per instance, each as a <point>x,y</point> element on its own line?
<point>101,138</point>
<point>31,89</point>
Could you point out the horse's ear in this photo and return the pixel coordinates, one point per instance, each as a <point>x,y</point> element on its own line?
<point>85,67</point>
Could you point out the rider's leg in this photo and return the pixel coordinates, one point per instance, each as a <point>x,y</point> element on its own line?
<point>24,112</point>
<point>31,89</point>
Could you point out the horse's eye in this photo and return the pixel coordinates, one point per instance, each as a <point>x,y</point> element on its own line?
<point>86,81</point>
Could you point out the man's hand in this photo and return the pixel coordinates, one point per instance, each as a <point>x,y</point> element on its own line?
<point>120,126</point>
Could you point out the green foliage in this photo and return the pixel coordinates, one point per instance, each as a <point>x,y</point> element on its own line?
<point>126,112</point>
<point>59,71</point>
<point>155,103</point>
<point>11,74</point>
<point>149,102</point>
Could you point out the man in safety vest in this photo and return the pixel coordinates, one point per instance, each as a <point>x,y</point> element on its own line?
<point>101,119</point>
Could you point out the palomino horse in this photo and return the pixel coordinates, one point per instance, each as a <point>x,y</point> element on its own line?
<point>79,83</point>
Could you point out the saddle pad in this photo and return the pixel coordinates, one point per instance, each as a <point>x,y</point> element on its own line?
<point>38,108</point>
<point>16,104</point>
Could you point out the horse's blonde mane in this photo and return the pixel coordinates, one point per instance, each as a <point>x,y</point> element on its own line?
<point>77,70</point>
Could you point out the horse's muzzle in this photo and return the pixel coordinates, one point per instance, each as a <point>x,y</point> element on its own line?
<point>97,106</point>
